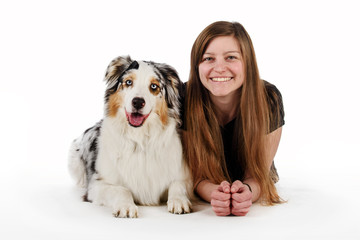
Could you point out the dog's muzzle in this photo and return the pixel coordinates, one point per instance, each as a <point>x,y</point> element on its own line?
<point>136,119</point>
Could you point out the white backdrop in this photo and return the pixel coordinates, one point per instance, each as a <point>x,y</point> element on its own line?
<point>53,56</point>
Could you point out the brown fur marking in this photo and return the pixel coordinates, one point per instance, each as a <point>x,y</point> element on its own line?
<point>162,110</point>
<point>115,102</point>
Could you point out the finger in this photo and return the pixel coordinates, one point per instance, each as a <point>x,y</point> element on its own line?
<point>222,211</point>
<point>217,195</point>
<point>237,186</point>
<point>241,212</point>
<point>242,197</point>
<point>217,203</point>
<point>240,205</point>
<point>224,187</point>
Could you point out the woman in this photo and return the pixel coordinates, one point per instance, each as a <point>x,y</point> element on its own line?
<point>232,122</point>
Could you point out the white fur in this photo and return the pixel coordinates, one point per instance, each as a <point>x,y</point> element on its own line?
<point>141,89</point>
<point>140,172</point>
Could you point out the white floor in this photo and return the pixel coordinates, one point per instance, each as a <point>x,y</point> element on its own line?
<point>45,208</point>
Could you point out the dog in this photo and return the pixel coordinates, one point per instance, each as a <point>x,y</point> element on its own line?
<point>133,156</point>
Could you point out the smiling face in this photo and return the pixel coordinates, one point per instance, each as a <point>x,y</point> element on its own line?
<point>221,69</point>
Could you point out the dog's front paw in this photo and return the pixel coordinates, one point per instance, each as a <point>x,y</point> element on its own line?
<point>126,211</point>
<point>179,205</point>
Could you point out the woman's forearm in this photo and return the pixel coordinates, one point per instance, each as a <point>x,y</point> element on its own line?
<point>255,188</point>
<point>205,188</point>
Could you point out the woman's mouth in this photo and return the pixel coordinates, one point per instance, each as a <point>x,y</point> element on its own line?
<point>221,79</point>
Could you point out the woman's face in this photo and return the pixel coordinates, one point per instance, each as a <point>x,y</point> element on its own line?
<point>221,69</point>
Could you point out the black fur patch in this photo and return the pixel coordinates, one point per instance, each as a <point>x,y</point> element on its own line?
<point>133,65</point>
<point>93,145</point>
<point>89,149</point>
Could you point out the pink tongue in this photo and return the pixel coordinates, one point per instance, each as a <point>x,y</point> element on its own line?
<point>136,119</point>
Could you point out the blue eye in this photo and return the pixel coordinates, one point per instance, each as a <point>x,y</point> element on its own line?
<point>128,82</point>
<point>153,86</point>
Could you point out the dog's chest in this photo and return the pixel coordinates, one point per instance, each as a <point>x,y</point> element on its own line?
<point>145,167</point>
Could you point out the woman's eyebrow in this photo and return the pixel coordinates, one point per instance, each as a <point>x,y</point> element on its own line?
<point>232,52</point>
<point>227,52</point>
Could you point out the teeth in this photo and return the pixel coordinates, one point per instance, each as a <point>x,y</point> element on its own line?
<point>222,79</point>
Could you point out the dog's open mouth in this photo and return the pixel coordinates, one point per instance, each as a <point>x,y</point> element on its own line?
<point>136,119</point>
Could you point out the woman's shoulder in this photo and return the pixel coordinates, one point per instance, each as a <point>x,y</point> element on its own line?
<point>271,89</point>
<point>276,106</point>
<point>182,88</point>
<point>182,92</point>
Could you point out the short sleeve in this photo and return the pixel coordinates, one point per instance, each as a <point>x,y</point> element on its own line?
<point>276,107</point>
<point>182,94</point>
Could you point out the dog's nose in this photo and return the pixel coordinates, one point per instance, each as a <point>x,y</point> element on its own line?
<point>138,103</point>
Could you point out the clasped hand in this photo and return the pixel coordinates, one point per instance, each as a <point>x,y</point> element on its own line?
<point>231,199</point>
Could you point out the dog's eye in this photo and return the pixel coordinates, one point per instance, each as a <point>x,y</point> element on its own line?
<point>128,82</point>
<point>153,86</point>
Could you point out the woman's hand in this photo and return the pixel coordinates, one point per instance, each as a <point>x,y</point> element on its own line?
<point>221,199</point>
<point>227,199</point>
<point>240,198</point>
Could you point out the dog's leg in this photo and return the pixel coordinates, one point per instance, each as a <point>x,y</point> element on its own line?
<point>117,197</point>
<point>178,200</point>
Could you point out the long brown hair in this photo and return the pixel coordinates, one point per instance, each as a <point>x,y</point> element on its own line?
<point>202,139</point>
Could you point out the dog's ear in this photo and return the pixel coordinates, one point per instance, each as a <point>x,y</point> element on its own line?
<point>172,86</point>
<point>115,69</point>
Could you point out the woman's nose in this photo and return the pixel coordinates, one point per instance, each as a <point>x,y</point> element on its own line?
<point>220,66</point>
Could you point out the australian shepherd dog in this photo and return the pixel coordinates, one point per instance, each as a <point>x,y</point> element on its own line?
<point>134,154</point>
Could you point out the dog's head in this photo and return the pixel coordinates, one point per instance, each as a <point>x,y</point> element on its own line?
<point>141,88</point>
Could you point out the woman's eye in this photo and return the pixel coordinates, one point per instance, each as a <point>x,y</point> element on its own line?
<point>231,57</point>
<point>128,82</point>
<point>153,86</point>
<point>207,59</point>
